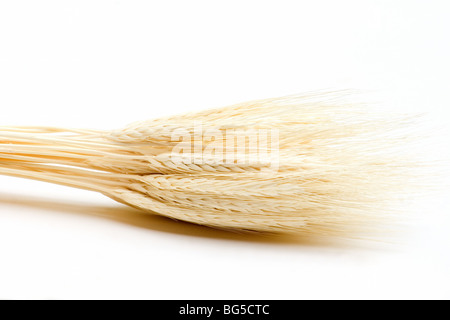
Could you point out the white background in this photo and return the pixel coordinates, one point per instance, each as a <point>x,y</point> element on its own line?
<point>103,64</point>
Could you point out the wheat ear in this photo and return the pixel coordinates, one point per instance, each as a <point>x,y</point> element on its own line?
<point>335,169</point>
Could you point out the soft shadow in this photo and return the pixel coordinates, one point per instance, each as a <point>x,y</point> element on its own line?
<point>133,217</point>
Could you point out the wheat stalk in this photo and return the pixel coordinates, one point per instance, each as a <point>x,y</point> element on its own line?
<point>335,167</point>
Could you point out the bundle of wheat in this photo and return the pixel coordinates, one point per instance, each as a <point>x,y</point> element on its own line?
<point>294,164</point>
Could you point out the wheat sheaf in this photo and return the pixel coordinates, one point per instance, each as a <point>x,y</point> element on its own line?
<point>304,164</point>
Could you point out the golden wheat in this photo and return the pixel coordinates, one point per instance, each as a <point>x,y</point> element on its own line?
<point>330,170</point>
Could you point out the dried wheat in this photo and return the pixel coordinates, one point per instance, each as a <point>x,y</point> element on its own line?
<point>335,168</point>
